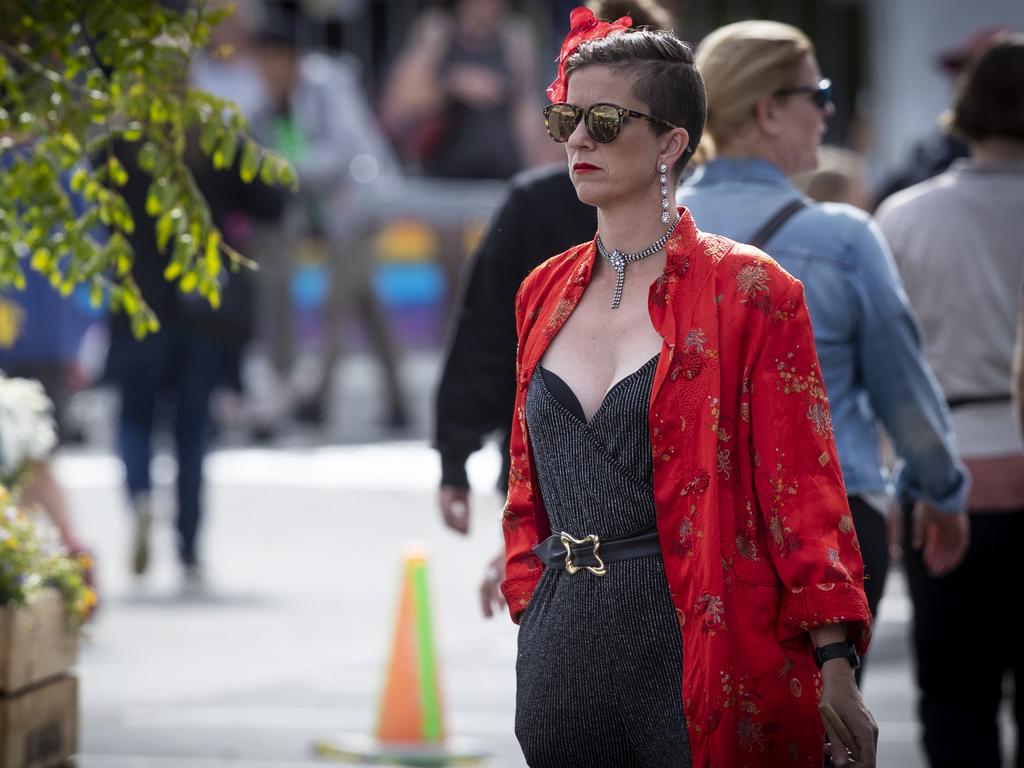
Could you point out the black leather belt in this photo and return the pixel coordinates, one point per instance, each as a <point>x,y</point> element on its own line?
<point>593,553</point>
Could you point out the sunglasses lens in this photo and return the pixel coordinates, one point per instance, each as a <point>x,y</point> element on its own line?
<point>823,96</point>
<point>603,123</point>
<point>561,121</point>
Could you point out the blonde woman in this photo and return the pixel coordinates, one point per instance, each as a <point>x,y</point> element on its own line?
<point>768,105</point>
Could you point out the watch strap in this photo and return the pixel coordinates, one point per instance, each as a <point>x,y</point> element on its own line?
<point>843,650</point>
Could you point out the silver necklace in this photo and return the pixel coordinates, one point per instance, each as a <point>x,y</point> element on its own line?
<point>618,260</point>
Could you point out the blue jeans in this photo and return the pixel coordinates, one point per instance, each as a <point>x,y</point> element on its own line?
<point>184,367</point>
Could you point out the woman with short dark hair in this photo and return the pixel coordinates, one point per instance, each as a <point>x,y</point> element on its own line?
<point>678,541</point>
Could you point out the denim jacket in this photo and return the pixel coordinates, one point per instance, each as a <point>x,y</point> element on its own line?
<point>866,335</point>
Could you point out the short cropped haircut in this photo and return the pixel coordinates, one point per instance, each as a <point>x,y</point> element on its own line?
<point>665,78</point>
<point>989,101</point>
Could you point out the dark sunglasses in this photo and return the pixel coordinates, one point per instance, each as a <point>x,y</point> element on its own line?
<point>603,121</point>
<point>821,94</point>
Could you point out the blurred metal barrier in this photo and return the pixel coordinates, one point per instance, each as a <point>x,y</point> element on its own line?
<point>452,207</point>
<point>442,202</point>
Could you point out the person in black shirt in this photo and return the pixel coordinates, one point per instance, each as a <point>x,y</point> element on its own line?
<point>540,218</point>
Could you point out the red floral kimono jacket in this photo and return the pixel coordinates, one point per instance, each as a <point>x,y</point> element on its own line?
<point>752,517</point>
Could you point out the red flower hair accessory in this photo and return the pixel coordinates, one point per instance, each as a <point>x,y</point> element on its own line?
<point>583,26</point>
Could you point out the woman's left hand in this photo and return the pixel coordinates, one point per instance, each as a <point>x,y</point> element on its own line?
<point>839,689</point>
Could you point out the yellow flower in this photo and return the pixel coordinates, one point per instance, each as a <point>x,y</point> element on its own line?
<point>85,560</point>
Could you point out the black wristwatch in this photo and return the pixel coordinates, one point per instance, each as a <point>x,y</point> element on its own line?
<point>844,650</point>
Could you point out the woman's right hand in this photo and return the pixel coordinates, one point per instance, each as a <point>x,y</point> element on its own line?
<point>491,599</point>
<point>839,689</point>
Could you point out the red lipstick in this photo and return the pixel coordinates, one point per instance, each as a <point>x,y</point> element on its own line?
<point>584,168</point>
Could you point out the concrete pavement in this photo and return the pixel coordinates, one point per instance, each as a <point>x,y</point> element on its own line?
<point>287,644</point>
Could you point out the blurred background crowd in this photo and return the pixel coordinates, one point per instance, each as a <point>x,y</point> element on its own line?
<point>404,119</point>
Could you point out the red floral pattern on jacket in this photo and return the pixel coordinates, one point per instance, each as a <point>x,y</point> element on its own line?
<point>752,516</point>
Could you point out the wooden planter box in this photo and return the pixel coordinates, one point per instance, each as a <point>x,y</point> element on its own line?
<point>39,726</point>
<point>35,643</point>
<point>38,698</point>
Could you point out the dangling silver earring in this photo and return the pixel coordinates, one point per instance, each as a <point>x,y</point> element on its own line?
<point>663,170</point>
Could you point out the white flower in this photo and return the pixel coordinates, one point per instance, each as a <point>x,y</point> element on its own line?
<point>27,429</point>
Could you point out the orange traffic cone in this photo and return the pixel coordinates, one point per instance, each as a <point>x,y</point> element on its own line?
<point>410,724</point>
<point>410,711</point>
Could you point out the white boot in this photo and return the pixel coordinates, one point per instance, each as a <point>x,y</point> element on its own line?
<point>142,506</point>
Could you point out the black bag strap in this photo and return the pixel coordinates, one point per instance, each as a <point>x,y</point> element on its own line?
<point>960,402</point>
<point>774,224</point>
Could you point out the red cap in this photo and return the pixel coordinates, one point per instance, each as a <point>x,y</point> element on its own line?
<point>954,59</point>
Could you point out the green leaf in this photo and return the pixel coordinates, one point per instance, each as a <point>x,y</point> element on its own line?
<point>92,190</point>
<point>189,282</point>
<point>286,176</point>
<point>40,260</point>
<point>250,161</point>
<point>164,229</point>
<point>148,156</point>
<point>69,141</point>
<point>224,155</point>
<point>96,294</point>
<point>208,137</point>
<point>131,304</point>
<point>140,325</point>
<point>268,171</point>
<point>158,113</point>
<point>217,15</point>
<point>133,131</point>
<point>161,195</point>
<point>117,172</point>
<point>153,206</point>
<point>212,255</point>
<point>78,179</point>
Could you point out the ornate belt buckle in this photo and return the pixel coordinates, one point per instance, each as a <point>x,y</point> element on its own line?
<point>567,541</point>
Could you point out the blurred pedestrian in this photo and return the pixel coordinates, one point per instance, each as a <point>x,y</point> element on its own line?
<point>459,101</point>
<point>196,349</point>
<point>317,116</point>
<point>957,242</point>
<point>838,178</point>
<point>541,216</point>
<point>705,536</point>
<point>935,152</point>
<point>226,67</point>
<point>768,105</point>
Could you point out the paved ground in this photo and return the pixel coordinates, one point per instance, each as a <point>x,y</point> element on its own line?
<point>287,644</point>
